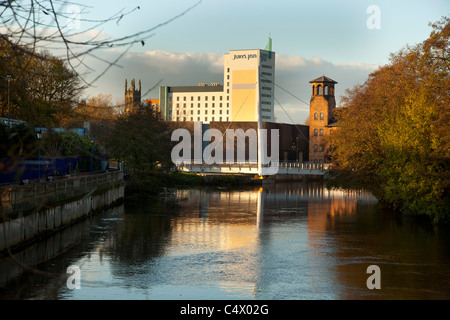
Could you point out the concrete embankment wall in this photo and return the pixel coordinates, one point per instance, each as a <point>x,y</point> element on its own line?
<point>25,219</point>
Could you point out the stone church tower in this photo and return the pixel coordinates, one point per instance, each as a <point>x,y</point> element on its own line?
<point>132,97</point>
<point>321,119</point>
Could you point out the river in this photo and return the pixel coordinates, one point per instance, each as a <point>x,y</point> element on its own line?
<point>284,241</point>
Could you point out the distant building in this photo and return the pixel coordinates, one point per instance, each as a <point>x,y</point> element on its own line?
<point>321,119</point>
<point>153,104</point>
<point>247,93</point>
<point>132,96</point>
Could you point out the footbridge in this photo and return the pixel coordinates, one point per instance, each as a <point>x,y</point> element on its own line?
<point>289,168</point>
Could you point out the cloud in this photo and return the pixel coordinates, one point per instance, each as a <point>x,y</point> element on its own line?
<point>292,76</point>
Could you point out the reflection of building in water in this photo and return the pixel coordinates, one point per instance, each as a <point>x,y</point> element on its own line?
<point>229,220</point>
<point>226,230</point>
<point>328,205</point>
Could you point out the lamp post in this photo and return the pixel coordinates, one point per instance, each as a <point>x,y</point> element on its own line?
<point>92,154</point>
<point>8,77</point>
<point>39,135</point>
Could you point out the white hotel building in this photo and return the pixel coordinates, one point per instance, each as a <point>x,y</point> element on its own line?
<point>247,92</point>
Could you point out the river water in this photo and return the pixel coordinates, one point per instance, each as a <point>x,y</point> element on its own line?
<point>284,241</point>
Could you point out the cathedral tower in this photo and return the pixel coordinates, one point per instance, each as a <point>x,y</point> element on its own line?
<point>132,96</point>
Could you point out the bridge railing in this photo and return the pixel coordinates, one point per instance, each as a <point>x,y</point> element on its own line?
<point>253,165</point>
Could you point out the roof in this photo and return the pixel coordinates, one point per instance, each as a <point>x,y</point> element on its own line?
<point>323,79</point>
<point>333,123</point>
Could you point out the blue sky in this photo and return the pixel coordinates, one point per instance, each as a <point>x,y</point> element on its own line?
<point>310,38</point>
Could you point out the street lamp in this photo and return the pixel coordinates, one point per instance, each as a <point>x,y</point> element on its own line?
<point>92,154</point>
<point>39,135</point>
<point>8,77</point>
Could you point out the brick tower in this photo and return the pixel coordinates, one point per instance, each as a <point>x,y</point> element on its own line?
<point>321,118</point>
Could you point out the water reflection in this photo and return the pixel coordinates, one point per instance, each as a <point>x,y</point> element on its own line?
<point>282,241</point>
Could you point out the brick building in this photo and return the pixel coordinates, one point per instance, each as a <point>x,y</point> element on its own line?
<point>321,119</point>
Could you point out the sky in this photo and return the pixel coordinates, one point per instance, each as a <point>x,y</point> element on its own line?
<point>345,40</point>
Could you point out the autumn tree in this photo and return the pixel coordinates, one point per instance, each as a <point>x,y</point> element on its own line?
<point>42,89</point>
<point>141,140</point>
<point>393,135</point>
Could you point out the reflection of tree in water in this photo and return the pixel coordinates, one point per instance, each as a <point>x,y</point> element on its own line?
<point>141,235</point>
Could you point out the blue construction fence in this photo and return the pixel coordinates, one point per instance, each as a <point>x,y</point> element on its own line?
<point>20,169</point>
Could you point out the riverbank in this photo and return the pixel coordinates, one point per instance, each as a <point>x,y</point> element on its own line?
<point>29,213</point>
<point>159,183</point>
<point>435,209</point>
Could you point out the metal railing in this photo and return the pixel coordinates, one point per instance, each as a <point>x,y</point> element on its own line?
<point>14,194</point>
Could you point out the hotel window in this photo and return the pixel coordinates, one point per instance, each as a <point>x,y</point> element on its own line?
<point>178,98</point>
<point>192,119</point>
<point>213,105</point>
<point>321,132</point>
<point>212,119</point>
<point>178,111</point>
<point>198,118</point>
<point>198,111</point>
<point>184,98</point>
<point>206,118</point>
<point>206,98</point>
<point>220,118</point>
<point>192,111</point>
<point>184,118</point>
<point>184,111</point>
<point>220,111</point>
<point>321,116</point>
<point>206,111</point>
<point>315,132</point>
<point>192,105</point>
<point>192,98</point>
<point>198,98</point>
<point>214,98</point>
<point>199,105</point>
<point>206,105</point>
<point>221,98</point>
<point>213,112</point>
<point>315,116</point>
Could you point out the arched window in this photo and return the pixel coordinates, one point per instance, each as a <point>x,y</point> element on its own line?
<point>315,132</point>
<point>313,88</point>
<point>316,116</point>
<point>326,91</point>
<point>319,90</point>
